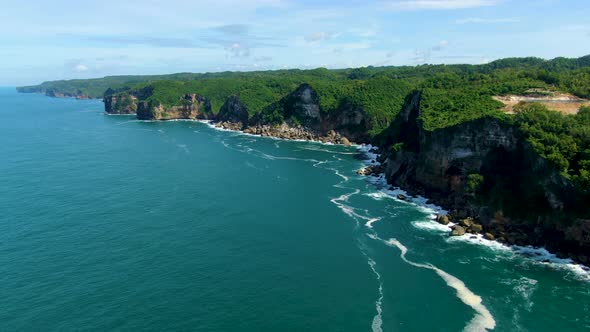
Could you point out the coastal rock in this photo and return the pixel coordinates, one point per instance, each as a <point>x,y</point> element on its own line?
<point>477,228</point>
<point>402,197</point>
<point>345,141</point>
<point>467,222</point>
<point>458,231</point>
<point>371,170</point>
<point>442,219</point>
<point>489,236</point>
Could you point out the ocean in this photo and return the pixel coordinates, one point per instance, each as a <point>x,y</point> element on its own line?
<point>112,224</point>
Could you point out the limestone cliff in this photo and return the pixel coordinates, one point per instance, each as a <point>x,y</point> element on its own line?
<point>301,110</point>
<point>120,104</point>
<point>486,169</point>
<point>192,106</point>
<point>234,111</point>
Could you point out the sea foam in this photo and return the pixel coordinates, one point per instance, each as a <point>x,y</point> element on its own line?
<point>483,320</point>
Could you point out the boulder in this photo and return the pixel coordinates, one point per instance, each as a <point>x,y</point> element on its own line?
<point>477,228</point>
<point>489,236</point>
<point>363,171</point>
<point>402,197</point>
<point>467,222</point>
<point>345,141</point>
<point>458,231</point>
<point>442,219</point>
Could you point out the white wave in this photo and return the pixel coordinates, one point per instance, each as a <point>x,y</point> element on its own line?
<point>310,148</point>
<point>544,257</point>
<point>535,255</point>
<point>483,320</point>
<point>477,239</point>
<point>320,163</point>
<point>377,323</point>
<point>525,287</point>
<point>368,151</point>
<point>344,177</point>
<point>431,226</point>
<point>177,120</point>
<point>370,222</point>
<point>184,147</point>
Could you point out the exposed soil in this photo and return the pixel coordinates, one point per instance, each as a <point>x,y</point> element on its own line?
<point>560,102</point>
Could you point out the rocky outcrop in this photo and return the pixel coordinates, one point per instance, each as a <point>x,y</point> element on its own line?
<point>491,180</point>
<point>350,121</point>
<point>233,111</point>
<point>303,104</point>
<point>301,109</point>
<point>192,106</point>
<point>120,104</point>
<point>301,117</point>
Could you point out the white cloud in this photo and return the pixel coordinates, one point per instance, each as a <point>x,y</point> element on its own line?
<point>371,31</point>
<point>435,4</point>
<point>320,36</point>
<point>81,67</point>
<point>578,27</point>
<point>238,50</point>
<point>441,45</point>
<point>479,20</point>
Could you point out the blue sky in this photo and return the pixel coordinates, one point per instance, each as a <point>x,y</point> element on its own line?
<point>62,39</point>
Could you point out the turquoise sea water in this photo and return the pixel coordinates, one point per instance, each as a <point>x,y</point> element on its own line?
<point>107,223</point>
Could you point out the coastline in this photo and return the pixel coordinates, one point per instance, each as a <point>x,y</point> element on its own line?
<point>539,255</point>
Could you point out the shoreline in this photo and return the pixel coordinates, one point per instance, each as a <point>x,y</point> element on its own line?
<point>80,97</point>
<point>377,178</point>
<point>540,255</point>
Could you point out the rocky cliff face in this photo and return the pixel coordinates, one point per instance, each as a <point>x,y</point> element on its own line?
<point>234,111</point>
<point>193,107</point>
<point>304,104</point>
<point>350,121</point>
<point>121,104</point>
<point>302,111</point>
<point>485,169</point>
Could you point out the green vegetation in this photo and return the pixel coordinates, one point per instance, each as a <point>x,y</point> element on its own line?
<point>443,108</point>
<point>474,182</point>
<point>564,140</point>
<point>451,94</point>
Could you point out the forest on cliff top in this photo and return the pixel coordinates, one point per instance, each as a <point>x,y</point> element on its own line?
<point>451,94</point>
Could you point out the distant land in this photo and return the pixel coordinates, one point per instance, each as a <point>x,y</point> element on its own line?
<point>504,146</point>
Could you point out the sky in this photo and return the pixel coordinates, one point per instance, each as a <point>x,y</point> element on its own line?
<point>64,39</point>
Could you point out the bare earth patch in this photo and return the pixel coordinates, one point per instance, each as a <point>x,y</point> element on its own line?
<point>560,102</point>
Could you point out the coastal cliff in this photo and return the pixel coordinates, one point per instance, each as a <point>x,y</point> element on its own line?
<point>484,171</point>
<point>56,93</point>
<point>301,116</point>
<point>192,106</point>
